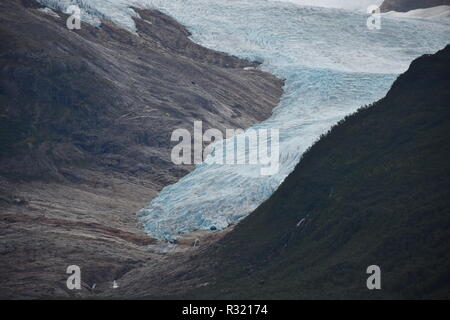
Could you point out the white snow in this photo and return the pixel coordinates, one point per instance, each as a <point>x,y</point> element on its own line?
<point>49,11</point>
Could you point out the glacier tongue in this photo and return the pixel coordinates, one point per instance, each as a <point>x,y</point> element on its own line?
<point>332,65</point>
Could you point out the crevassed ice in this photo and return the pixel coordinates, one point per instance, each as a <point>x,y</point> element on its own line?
<point>119,12</point>
<point>332,65</point>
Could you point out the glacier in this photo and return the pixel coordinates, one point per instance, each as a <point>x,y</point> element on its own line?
<point>332,65</point>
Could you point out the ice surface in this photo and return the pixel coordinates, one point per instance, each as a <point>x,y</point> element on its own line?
<point>332,65</point>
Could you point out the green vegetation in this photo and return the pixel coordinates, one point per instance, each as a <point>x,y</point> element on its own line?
<point>374,190</point>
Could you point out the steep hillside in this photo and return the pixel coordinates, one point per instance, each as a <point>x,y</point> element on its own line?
<point>407,5</point>
<point>85,123</point>
<point>108,98</point>
<point>375,190</point>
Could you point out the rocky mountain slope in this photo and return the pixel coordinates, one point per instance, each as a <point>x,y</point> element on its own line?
<point>375,190</point>
<point>85,123</point>
<point>407,5</point>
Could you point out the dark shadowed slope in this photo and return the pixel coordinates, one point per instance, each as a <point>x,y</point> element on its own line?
<point>85,124</point>
<point>407,5</point>
<point>375,190</point>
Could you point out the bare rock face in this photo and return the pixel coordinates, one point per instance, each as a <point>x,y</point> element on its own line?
<point>407,5</point>
<point>85,123</point>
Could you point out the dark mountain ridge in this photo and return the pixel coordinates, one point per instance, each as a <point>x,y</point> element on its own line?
<point>407,5</point>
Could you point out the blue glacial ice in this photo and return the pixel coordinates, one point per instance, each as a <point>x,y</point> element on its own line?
<point>333,64</point>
